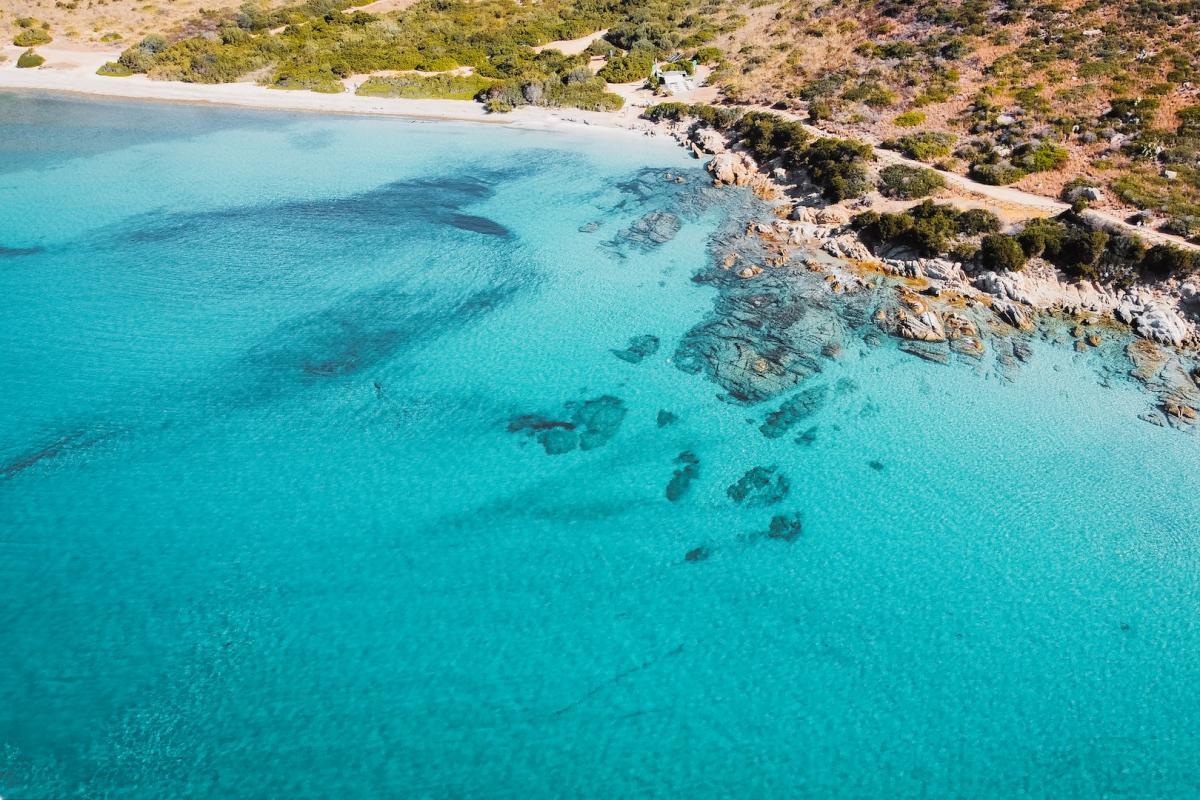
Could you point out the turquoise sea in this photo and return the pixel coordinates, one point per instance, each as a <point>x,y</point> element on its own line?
<point>348,457</point>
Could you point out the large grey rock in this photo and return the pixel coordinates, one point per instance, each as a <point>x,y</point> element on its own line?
<point>709,141</point>
<point>1161,323</point>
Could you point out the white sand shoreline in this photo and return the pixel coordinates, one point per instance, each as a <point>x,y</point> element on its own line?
<point>74,72</point>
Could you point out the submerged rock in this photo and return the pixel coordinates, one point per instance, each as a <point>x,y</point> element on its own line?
<point>800,407</point>
<point>655,228</point>
<point>681,481</point>
<point>557,441</point>
<point>666,418</point>
<point>598,420</point>
<point>938,353</point>
<point>639,348</point>
<point>786,527</point>
<point>697,554</point>
<point>592,424</point>
<point>760,486</point>
<point>1148,359</point>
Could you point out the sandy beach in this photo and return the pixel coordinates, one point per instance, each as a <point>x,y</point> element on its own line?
<point>74,71</point>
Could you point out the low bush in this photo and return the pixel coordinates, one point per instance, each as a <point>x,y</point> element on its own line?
<point>1001,253</point>
<point>1040,157</point>
<point>444,87</point>
<point>1042,237</point>
<point>839,167</point>
<point>628,68</point>
<point>114,69</point>
<point>924,146</point>
<point>768,136</point>
<point>975,221</point>
<point>1164,261</point>
<point>998,174</point>
<point>718,117</point>
<point>1080,251</point>
<point>928,227</point>
<point>909,119</point>
<point>30,59</point>
<point>31,37</point>
<point>909,183</point>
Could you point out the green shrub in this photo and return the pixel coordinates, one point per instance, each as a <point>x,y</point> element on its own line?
<point>975,221</point>
<point>1042,237</point>
<point>1042,157</point>
<point>1001,253</point>
<point>908,183</point>
<point>29,59</point>
<point>929,227</point>
<point>1164,260</point>
<point>672,111</point>
<point>628,68</point>
<point>714,116</point>
<point>924,146</point>
<point>820,109</point>
<point>114,69</point>
<point>839,167</point>
<point>870,93</point>
<point>909,119</point>
<point>1080,251</point>
<point>998,174</point>
<point>443,87</point>
<point>31,37</point>
<point>768,136</point>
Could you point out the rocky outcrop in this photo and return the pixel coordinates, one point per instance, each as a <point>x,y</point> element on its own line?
<point>739,169</point>
<point>655,228</point>
<point>909,316</point>
<point>848,247</point>
<point>1043,289</point>
<point>709,141</point>
<point>1154,319</point>
<point>1012,314</point>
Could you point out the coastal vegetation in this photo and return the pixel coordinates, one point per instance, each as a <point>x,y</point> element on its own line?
<point>114,69</point>
<point>32,36</point>
<point>447,87</point>
<point>321,43</point>
<point>1067,242</point>
<point>929,228</point>
<point>909,183</point>
<point>30,59</point>
<point>1035,94</point>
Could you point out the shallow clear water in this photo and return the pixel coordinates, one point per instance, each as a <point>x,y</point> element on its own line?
<point>277,520</point>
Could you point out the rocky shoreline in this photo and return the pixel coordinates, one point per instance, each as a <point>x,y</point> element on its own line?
<point>937,308</point>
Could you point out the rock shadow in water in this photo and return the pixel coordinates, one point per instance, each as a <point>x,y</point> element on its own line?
<point>57,447</point>
<point>356,333</point>
<point>16,252</point>
<point>432,201</point>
